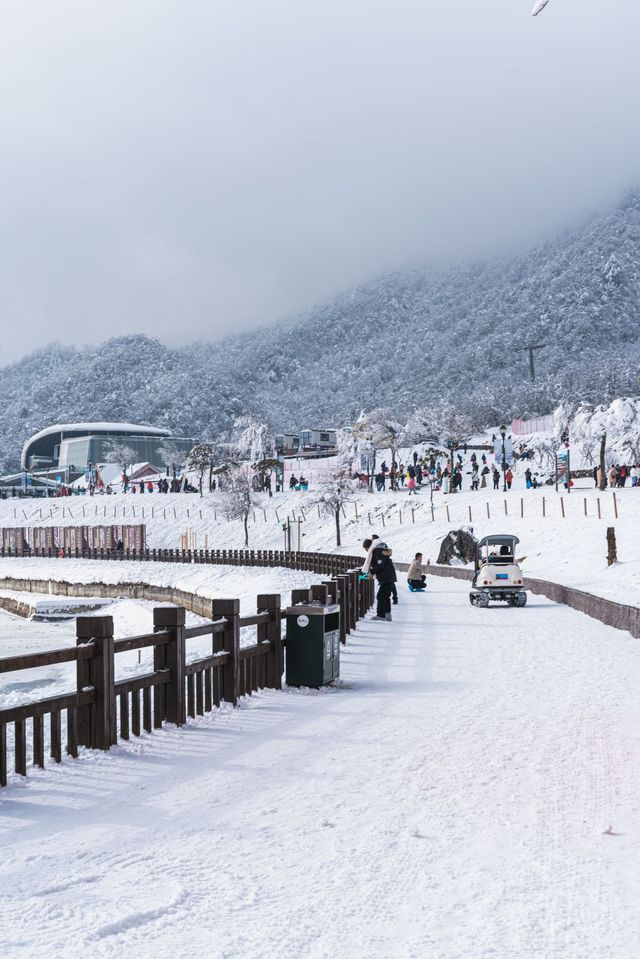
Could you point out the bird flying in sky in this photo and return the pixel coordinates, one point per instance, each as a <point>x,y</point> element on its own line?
<point>538,7</point>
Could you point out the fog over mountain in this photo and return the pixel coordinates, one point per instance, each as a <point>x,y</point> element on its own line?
<point>403,340</point>
<point>190,170</point>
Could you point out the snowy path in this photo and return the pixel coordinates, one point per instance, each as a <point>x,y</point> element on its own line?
<point>449,800</point>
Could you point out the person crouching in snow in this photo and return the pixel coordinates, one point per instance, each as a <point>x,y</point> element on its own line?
<point>415,577</point>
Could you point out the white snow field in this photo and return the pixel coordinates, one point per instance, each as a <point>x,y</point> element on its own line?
<point>470,790</point>
<point>567,548</point>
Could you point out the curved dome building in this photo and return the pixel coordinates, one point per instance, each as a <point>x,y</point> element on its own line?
<point>74,445</point>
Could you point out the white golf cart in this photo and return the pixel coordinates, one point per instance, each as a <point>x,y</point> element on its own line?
<point>497,575</point>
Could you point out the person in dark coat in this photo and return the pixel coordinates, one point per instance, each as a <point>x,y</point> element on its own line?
<point>379,564</point>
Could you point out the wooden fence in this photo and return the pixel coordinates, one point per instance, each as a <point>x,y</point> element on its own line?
<point>330,564</point>
<point>101,711</point>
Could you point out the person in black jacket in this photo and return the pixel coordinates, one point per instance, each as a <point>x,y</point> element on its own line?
<point>379,564</point>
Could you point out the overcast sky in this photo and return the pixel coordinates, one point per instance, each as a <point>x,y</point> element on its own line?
<point>186,168</point>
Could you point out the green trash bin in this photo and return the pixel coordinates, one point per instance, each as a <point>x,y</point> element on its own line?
<point>313,645</point>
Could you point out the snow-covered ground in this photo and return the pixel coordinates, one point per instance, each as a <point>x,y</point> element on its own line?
<point>469,790</point>
<point>569,549</point>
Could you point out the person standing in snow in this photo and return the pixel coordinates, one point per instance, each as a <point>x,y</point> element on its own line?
<point>379,564</point>
<point>509,478</point>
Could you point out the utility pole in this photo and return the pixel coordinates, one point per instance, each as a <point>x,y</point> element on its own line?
<point>531,350</point>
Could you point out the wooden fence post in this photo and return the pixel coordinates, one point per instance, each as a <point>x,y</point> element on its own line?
<point>271,603</point>
<point>344,583</point>
<point>353,575</point>
<point>229,609</point>
<point>172,657</point>
<point>612,550</point>
<point>97,722</point>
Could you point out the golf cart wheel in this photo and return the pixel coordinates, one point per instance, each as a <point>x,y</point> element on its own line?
<point>521,599</point>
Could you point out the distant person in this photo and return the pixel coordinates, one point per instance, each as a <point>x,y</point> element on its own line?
<point>293,482</point>
<point>509,478</point>
<point>496,478</point>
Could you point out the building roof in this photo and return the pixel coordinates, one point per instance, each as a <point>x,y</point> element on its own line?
<point>90,429</point>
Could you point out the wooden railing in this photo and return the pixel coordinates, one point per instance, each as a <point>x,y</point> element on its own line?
<point>101,711</point>
<point>331,564</point>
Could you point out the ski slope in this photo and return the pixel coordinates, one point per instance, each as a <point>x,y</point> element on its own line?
<point>468,791</point>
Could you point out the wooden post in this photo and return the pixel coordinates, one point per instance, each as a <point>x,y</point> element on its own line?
<point>97,722</point>
<point>615,506</point>
<point>585,506</point>
<point>448,516</point>
<point>344,583</point>
<point>506,511</point>
<point>562,506</point>
<point>544,507</point>
<point>270,603</point>
<point>522,507</point>
<point>612,549</point>
<point>599,510</point>
<point>229,609</point>
<point>172,657</point>
<point>470,518</point>
<point>488,511</point>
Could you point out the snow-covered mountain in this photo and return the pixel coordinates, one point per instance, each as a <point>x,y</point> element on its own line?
<point>402,340</point>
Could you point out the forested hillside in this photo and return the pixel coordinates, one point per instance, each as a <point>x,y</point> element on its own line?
<point>403,340</point>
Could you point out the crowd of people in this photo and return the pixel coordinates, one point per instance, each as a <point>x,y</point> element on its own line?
<point>617,476</point>
<point>438,474</point>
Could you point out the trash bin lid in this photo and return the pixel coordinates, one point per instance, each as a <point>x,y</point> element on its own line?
<point>311,610</point>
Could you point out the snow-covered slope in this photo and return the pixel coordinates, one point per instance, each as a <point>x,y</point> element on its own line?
<point>569,548</point>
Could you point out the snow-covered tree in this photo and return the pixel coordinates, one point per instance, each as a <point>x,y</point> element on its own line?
<point>614,428</point>
<point>254,441</point>
<point>172,456</point>
<point>333,494</point>
<point>199,460</point>
<point>121,454</point>
<point>238,499</point>
<point>381,430</point>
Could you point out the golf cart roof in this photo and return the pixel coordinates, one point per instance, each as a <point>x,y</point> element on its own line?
<point>502,539</point>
